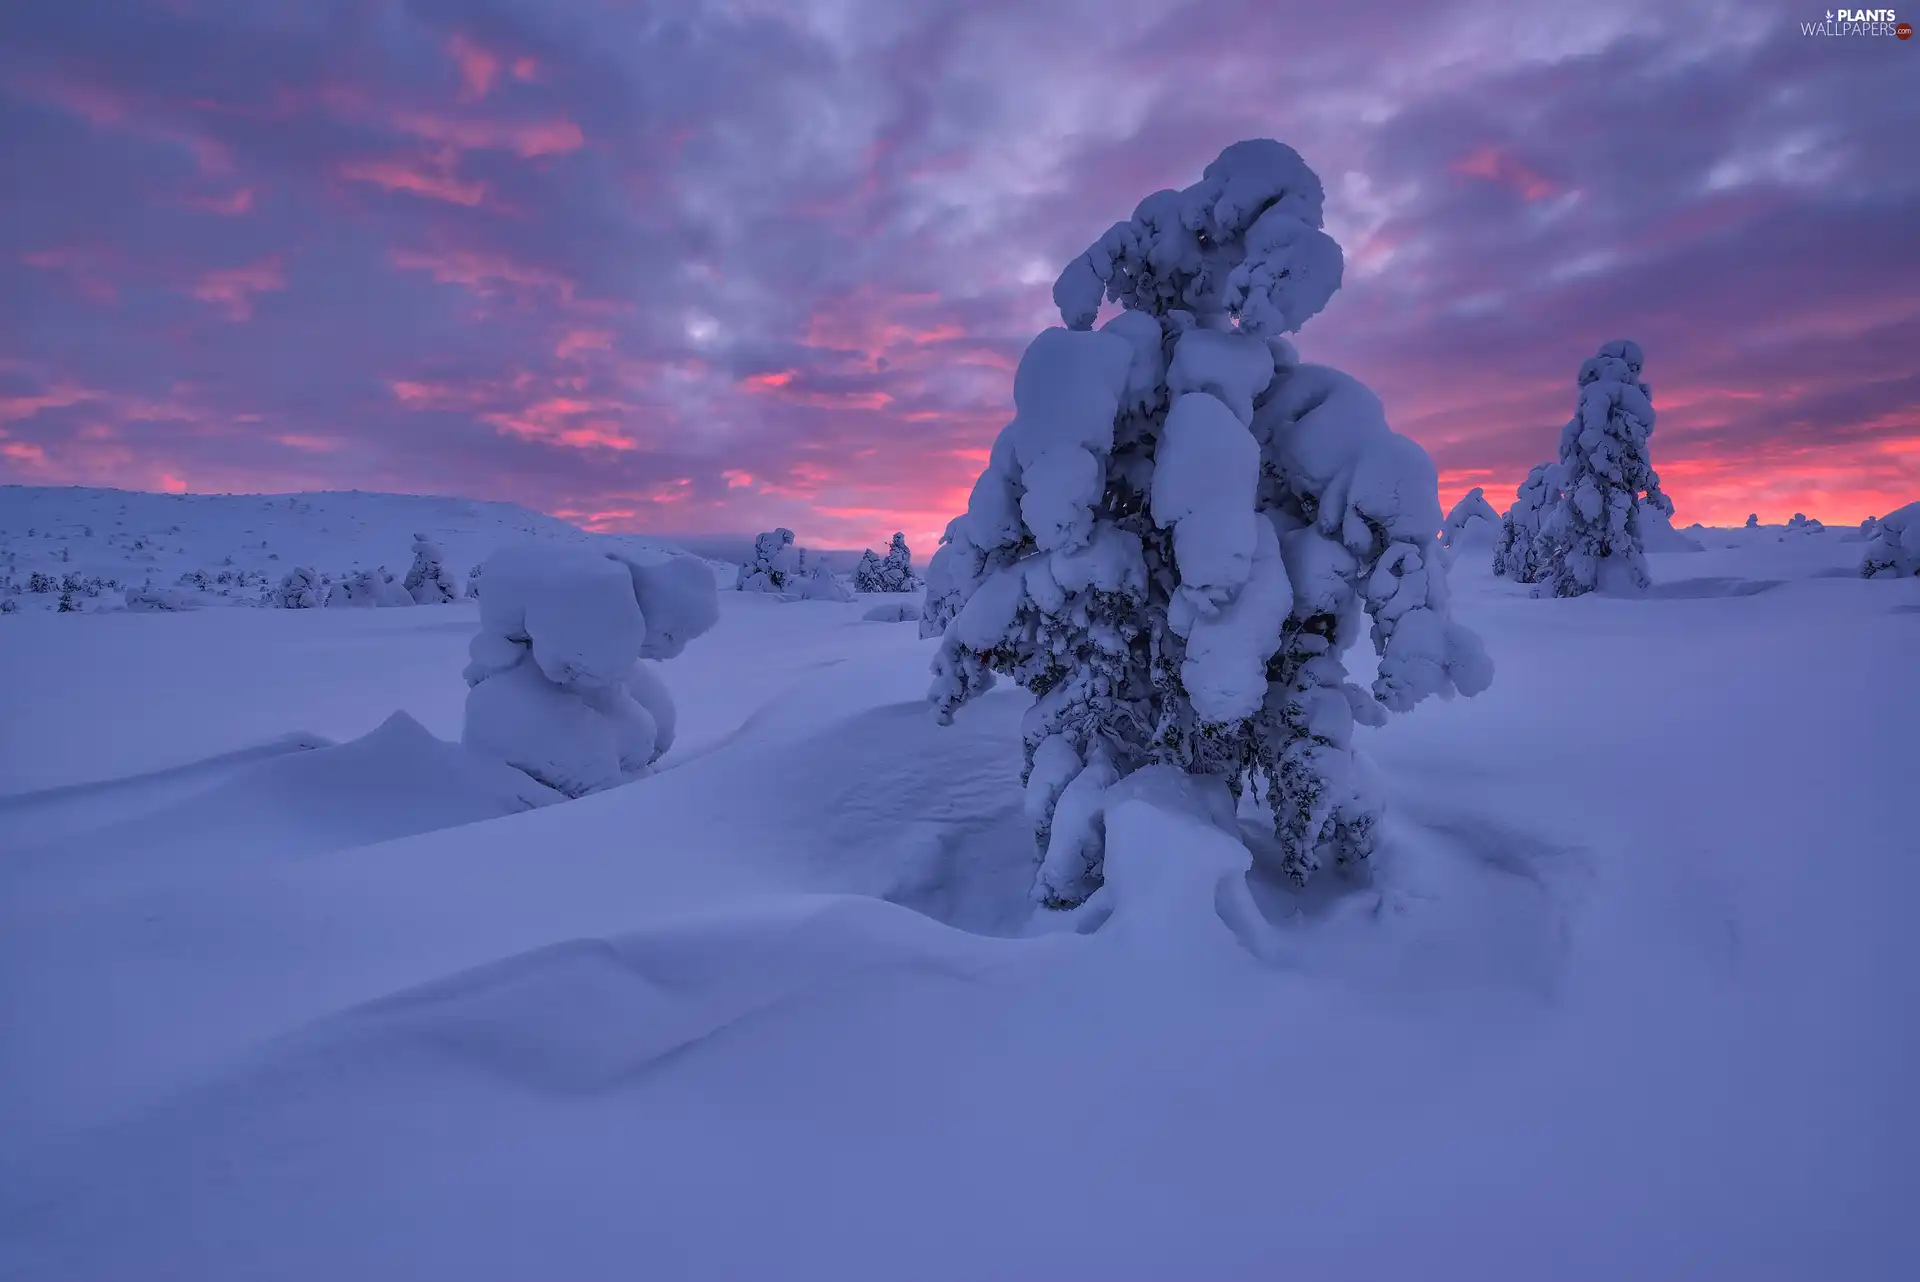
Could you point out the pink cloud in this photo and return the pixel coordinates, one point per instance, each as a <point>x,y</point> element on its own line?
<point>233,288</point>
<point>479,67</point>
<point>434,180</point>
<point>107,108</point>
<point>1495,165</point>
<point>526,139</point>
<point>583,340</point>
<point>85,268</point>
<point>231,205</point>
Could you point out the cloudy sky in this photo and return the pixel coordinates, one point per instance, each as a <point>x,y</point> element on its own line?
<point>701,267</point>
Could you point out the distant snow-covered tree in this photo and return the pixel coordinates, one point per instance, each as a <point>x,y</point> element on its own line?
<point>1753,520</point>
<point>1183,529</point>
<point>866,575</point>
<point>300,589</point>
<point>1893,551</point>
<point>775,563</point>
<point>1472,522</point>
<point>559,679</point>
<point>1516,555</point>
<point>428,582</point>
<point>473,582</point>
<point>892,573</point>
<point>1591,537</point>
<point>1801,524</point>
<point>821,584</point>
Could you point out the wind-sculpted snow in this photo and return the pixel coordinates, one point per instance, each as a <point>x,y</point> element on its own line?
<point>233,1055</point>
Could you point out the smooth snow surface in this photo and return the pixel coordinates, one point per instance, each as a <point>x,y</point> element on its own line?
<point>1630,993</point>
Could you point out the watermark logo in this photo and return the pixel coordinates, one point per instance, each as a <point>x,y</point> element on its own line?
<point>1859,22</point>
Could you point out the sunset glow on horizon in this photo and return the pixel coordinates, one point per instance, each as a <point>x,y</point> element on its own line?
<point>761,264</point>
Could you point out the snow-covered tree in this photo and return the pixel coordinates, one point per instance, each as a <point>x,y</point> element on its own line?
<point>775,563</point>
<point>891,573</point>
<point>1472,522</point>
<point>1591,538</point>
<point>1800,524</point>
<point>1184,528</point>
<point>473,582</point>
<point>1516,556</point>
<point>1753,520</point>
<point>866,575</point>
<point>300,589</point>
<point>560,683</point>
<point>1893,551</point>
<point>428,582</point>
<point>820,584</point>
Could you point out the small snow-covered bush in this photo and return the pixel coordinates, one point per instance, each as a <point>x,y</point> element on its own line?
<point>557,680</point>
<point>1516,556</point>
<point>1753,520</point>
<point>360,589</point>
<point>1472,522</point>
<point>300,589</point>
<point>775,563</point>
<point>473,582</point>
<point>1184,528</point>
<point>1894,550</point>
<point>892,573</point>
<point>1800,524</point>
<point>1591,538</point>
<point>892,612</point>
<point>428,582</point>
<point>821,584</point>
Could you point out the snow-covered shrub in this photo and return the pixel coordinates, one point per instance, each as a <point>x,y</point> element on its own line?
<point>558,681</point>
<point>1753,520</point>
<point>428,582</point>
<point>1801,524</point>
<point>892,573</point>
<point>41,583</point>
<point>1894,550</point>
<point>820,584</point>
<point>892,612</point>
<point>1591,538</point>
<point>775,563</point>
<point>160,600</point>
<point>1472,522</point>
<point>473,582</point>
<point>1516,556</point>
<point>300,589</point>
<point>360,589</point>
<point>1183,528</point>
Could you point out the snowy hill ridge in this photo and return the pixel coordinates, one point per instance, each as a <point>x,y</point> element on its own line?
<point>129,538</point>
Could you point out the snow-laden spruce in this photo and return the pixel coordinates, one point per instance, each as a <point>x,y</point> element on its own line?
<point>300,589</point>
<point>1471,523</point>
<point>559,680</point>
<point>775,564</point>
<point>1893,549</point>
<point>892,573</point>
<point>1516,556</point>
<point>428,581</point>
<point>1590,539</point>
<point>1753,520</point>
<point>1184,528</point>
